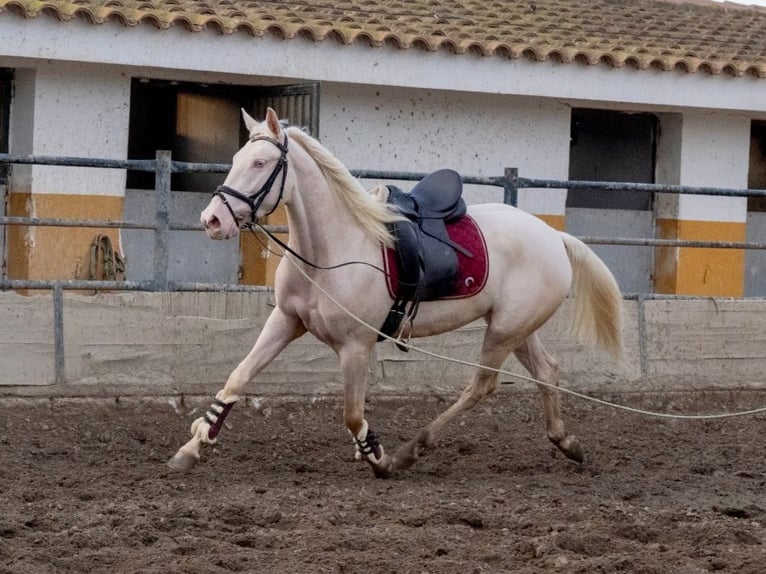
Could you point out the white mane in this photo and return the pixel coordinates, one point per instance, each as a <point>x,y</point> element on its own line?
<point>370,212</point>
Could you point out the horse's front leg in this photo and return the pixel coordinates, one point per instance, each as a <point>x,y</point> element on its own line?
<point>354,363</point>
<point>278,331</point>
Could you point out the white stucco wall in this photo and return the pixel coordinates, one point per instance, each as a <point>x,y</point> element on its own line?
<point>388,128</point>
<point>715,152</point>
<point>80,110</point>
<point>704,149</point>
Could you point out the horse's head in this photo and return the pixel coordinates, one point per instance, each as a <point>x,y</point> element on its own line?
<point>256,182</point>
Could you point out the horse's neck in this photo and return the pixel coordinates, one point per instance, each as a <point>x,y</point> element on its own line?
<point>322,229</point>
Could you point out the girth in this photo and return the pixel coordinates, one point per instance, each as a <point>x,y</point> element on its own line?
<point>426,256</point>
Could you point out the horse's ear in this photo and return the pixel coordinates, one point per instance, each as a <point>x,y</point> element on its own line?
<point>272,122</point>
<point>250,122</point>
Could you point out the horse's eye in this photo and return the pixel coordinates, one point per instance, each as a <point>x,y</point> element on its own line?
<point>259,163</point>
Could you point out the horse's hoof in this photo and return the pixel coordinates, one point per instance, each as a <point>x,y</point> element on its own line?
<point>571,447</point>
<point>384,469</point>
<point>183,462</point>
<point>405,456</point>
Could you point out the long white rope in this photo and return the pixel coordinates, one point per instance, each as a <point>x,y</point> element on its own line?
<point>512,374</point>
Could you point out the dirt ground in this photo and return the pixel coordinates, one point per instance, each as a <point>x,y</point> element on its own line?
<point>84,488</point>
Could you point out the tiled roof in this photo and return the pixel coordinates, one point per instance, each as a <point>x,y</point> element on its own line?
<point>694,37</point>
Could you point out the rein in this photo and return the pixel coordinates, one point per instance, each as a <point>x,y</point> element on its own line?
<point>255,201</point>
<point>305,261</point>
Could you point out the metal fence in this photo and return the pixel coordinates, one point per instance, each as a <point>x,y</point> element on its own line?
<point>164,167</point>
<point>515,183</point>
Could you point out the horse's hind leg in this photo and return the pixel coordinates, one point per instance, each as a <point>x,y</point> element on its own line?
<point>495,349</point>
<point>543,367</point>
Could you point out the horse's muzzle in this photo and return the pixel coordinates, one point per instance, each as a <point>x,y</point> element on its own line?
<point>216,226</point>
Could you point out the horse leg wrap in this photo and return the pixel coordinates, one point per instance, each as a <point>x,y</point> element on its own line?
<point>216,414</point>
<point>368,445</point>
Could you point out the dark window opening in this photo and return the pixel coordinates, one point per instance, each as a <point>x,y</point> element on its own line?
<point>6,92</point>
<point>612,146</point>
<point>756,175</point>
<point>202,123</point>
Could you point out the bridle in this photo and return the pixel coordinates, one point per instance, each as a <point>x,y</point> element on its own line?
<point>255,201</point>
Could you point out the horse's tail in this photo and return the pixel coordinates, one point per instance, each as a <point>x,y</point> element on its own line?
<point>597,317</point>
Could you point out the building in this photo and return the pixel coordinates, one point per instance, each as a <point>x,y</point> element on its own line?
<point>643,91</point>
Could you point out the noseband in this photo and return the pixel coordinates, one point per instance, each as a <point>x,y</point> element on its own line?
<point>255,201</point>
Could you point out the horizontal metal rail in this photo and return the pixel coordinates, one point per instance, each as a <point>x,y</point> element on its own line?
<point>91,285</point>
<point>671,243</point>
<point>417,176</point>
<point>525,182</point>
<point>111,224</point>
<point>129,164</point>
<point>66,161</point>
<point>79,284</point>
<point>219,287</point>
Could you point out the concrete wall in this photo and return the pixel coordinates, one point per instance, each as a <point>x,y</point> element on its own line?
<point>187,343</point>
<point>632,266</point>
<point>193,256</point>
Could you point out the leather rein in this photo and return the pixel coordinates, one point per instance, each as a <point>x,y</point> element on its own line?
<point>255,201</point>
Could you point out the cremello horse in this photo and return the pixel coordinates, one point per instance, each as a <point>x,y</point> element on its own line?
<point>331,219</point>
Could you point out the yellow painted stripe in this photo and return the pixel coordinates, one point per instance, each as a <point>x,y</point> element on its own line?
<point>555,221</point>
<point>258,265</point>
<point>57,252</point>
<point>700,271</point>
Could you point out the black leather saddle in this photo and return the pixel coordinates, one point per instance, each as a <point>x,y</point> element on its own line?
<point>426,256</point>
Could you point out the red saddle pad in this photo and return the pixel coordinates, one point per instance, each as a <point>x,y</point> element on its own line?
<point>472,271</point>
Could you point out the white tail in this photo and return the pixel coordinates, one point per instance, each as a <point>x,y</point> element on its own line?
<point>597,317</point>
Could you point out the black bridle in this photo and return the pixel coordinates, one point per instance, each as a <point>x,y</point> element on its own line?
<point>255,201</point>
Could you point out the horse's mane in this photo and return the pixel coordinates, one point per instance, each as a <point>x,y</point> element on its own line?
<point>371,213</point>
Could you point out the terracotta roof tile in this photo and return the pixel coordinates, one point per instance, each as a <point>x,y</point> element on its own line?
<point>694,36</point>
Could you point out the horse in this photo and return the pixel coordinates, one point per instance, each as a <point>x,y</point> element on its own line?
<point>331,218</point>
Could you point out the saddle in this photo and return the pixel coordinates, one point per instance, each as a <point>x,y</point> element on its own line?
<point>426,257</point>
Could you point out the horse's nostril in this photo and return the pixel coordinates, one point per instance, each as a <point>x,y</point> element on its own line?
<point>213,223</point>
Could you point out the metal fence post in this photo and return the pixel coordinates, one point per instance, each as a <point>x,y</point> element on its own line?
<point>162,219</point>
<point>58,333</point>
<point>511,186</point>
